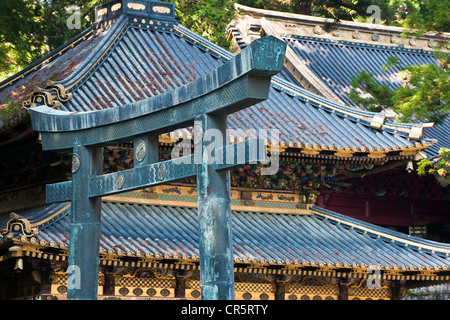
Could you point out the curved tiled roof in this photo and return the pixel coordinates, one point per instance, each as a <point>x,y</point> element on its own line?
<point>442,133</point>
<point>55,67</point>
<point>327,60</point>
<point>142,64</point>
<point>336,62</point>
<point>131,62</point>
<point>323,238</point>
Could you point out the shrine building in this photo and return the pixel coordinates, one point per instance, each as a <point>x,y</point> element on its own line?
<point>322,59</point>
<point>290,242</point>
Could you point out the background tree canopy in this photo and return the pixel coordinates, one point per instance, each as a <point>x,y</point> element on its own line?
<point>29,29</point>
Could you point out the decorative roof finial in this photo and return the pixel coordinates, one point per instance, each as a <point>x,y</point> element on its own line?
<point>139,9</point>
<point>18,227</point>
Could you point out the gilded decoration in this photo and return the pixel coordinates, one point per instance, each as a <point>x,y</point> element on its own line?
<point>52,96</point>
<point>136,6</point>
<point>116,7</point>
<point>41,97</point>
<point>119,181</point>
<point>248,286</point>
<point>161,9</point>
<point>102,12</point>
<point>300,177</point>
<point>75,163</point>
<point>395,39</point>
<point>293,176</point>
<point>140,151</point>
<point>18,228</point>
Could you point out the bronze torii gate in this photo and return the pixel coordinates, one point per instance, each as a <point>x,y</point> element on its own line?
<point>238,84</point>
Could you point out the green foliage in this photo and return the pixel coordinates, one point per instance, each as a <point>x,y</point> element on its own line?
<point>440,167</point>
<point>207,18</point>
<point>340,9</point>
<point>422,15</point>
<point>9,110</point>
<point>391,62</point>
<point>29,29</point>
<point>424,94</point>
<point>19,32</point>
<point>336,10</point>
<point>368,92</point>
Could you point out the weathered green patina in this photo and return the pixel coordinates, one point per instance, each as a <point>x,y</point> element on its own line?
<point>154,173</point>
<point>238,84</point>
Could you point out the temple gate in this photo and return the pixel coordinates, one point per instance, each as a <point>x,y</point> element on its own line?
<point>205,102</point>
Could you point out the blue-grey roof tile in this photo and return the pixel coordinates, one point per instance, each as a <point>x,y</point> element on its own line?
<point>323,236</point>
<point>139,63</point>
<point>336,62</point>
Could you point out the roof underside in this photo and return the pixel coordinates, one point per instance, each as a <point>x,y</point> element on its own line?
<point>172,231</point>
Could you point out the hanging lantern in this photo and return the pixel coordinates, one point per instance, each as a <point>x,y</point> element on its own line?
<point>19,265</point>
<point>409,166</point>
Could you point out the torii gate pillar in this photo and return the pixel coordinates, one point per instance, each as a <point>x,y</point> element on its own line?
<point>214,215</point>
<point>84,225</point>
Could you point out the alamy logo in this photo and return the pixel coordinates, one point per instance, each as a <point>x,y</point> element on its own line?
<point>376,14</point>
<point>74,20</point>
<point>73,277</point>
<point>374,278</point>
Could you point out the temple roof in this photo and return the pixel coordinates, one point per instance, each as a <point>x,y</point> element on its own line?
<point>324,62</point>
<point>442,133</point>
<point>129,55</point>
<point>321,238</point>
<point>335,62</point>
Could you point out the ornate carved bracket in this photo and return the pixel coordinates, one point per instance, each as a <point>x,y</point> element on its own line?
<point>61,92</point>
<point>18,227</point>
<point>51,96</point>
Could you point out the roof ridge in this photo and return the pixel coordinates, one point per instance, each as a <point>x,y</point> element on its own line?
<point>373,118</point>
<point>50,56</point>
<point>51,216</point>
<point>382,231</point>
<point>282,84</point>
<point>202,41</point>
<point>97,56</point>
<point>276,80</point>
<point>298,16</point>
<point>362,45</point>
<point>26,225</point>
